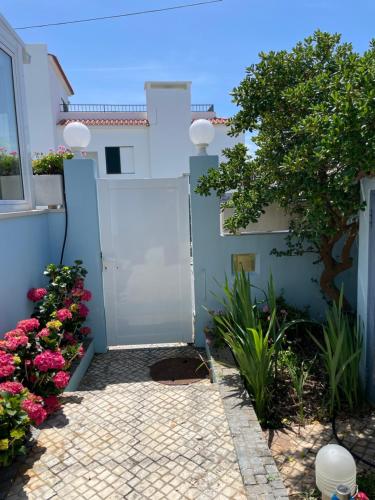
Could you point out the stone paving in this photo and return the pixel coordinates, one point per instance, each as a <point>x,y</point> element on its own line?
<point>294,449</point>
<point>124,436</point>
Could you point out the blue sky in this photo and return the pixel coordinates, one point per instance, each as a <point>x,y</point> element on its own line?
<point>108,61</point>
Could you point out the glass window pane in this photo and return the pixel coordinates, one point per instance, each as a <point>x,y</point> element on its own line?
<point>11,187</point>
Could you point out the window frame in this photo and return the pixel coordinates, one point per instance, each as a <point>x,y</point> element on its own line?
<point>11,45</point>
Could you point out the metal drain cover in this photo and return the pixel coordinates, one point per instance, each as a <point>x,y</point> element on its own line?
<point>178,371</point>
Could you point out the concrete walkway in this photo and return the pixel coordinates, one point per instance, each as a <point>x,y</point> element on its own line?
<point>124,436</point>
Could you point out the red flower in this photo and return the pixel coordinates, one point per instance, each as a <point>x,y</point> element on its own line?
<point>15,339</point>
<point>61,380</point>
<point>7,366</point>
<point>49,360</point>
<point>34,409</point>
<point>83,310</point>
<point>51,404</point>
<point>12,387</point>
<point>36,294</point>
<point>85,330</point>
<point>63,314</point>
<point>43,333</point>
<point>81,352</point>
<point>86,295</point>
<point>28,325</point>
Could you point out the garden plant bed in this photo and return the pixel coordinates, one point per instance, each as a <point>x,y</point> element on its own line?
<point>294,449</point>
<point>294,445</point>
<point>259,472</point>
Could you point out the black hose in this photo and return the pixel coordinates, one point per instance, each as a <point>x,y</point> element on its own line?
<point>357,457</point>
<point>66,222</point>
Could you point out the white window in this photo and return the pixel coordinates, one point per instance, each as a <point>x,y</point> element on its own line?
<point>15,163</point>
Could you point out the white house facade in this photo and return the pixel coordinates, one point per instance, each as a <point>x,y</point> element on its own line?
<point>148,140</point>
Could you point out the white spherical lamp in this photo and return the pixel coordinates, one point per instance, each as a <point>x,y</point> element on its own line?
<point>334,466</point>
<point>201,133</point>
<point>77,136</point>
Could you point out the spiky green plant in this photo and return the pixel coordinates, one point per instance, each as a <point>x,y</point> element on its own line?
<point>341,349</point>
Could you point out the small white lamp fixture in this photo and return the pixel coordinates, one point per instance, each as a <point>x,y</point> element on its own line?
<point>334,466</point>
<point>77,136</point>
<point>201,133</point>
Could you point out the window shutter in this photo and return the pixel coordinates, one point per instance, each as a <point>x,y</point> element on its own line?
<point>112,159</point>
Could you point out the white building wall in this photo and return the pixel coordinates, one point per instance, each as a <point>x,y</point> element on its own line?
<point>102,137</point>
<point>58,92</point>
<point>42,124</point>
<point>169,115</point>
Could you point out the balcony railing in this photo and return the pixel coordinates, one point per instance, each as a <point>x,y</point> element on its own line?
<point>202,108</point>
<point>118,108</point>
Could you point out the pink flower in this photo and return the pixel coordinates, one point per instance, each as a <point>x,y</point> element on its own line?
<point>86,295</point>
<point>7,366</point>
<point>68,302</point>
<point>49,360</point>
<point>61,380</point>
<point>43,333</point>
<point>85,330</point>
<point>34,409</point>
<point>15,339</point>
<point>81,352</point>
<point>77,292</point>
<point>79,283</point>
<point>68,337</point>
<point>28,325</point>
<point>63,314</point>
<point>83,310</point>
<point>36,294</point>
<point>12,387</point>
<point>51,404</point>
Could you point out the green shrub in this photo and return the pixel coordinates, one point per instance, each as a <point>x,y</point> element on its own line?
<point>51,163</point>
<point>341,349</point>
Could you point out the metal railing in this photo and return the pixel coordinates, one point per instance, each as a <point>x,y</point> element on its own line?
<point>202,108</point>
<point>118,108</point>
<point>103,108</point>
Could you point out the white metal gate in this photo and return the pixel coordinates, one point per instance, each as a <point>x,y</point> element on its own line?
<point>145,240</point>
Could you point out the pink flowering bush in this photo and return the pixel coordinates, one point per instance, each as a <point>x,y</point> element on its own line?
<point>36,294</point>
<point>18,409</point>
<point>36,357</point>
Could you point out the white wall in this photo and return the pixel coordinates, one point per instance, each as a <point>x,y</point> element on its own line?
<point>42,124</point>
<point>119,136</point>
<point>169,115</point>
<point>57,92</point>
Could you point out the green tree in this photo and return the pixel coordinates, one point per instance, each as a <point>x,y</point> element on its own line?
<point>311,113</point>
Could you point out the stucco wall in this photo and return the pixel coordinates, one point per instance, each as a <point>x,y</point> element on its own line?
<point>25,250</point>
<point>212,252</point>
<point>42,124</point>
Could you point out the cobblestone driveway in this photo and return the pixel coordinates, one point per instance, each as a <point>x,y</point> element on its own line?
<point>124,436</point>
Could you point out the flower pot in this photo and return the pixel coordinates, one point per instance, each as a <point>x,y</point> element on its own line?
<point>11,187</point>
<point>48,190</point>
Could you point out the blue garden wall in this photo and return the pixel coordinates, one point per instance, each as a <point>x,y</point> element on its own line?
<point>212,259</point>
<point>26,247</point>
<point>30,241</point>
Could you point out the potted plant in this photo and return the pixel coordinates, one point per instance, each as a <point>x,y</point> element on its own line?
<point>48,182</point>
<point>10,179</point>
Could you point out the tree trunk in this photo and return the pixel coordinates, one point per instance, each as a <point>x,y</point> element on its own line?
<point>332,267</point>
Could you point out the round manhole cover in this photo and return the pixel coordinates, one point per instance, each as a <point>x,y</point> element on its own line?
<point>178,371</point>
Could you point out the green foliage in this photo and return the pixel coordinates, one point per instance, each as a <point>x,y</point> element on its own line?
<point>366,483</point>
<point>299,373</point>
<point>9,163</point>
<point>341,349</point>
<point>242,325</point>
<point>14,424</point>
<point>254,354</point>
<point>51,163</point>
<point>61,281</point>
<point>311,112</point>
